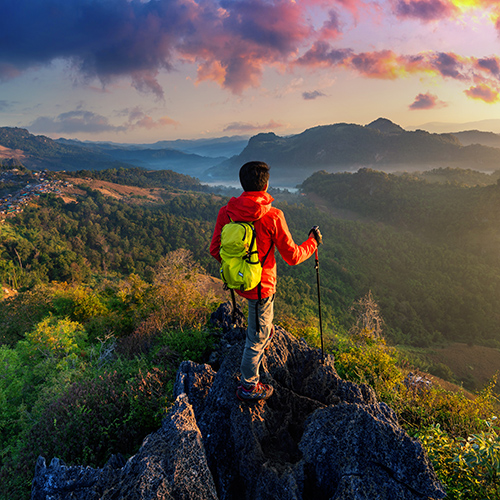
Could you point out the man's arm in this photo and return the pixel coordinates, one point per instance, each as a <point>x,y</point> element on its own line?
<point>292,253</point>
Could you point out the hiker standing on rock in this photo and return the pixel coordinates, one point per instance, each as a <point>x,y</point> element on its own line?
<point>271,231</point>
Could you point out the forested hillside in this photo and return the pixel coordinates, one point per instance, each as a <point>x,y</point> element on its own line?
<point>429,251</point>
<point>106,295</point>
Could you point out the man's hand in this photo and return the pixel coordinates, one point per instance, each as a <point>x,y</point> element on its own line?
<point>317,234</point>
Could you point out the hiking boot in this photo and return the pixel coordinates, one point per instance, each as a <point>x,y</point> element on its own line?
<point>258,392</point>
<point>268,345</point>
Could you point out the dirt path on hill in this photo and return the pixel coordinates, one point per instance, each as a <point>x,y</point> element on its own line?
<point>117,191</point>
<point>18,154</point>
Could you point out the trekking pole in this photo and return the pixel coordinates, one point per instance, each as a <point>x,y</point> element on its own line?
<point>319,306</point>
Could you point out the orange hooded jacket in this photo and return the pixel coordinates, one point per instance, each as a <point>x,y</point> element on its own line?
<point>271,230</point>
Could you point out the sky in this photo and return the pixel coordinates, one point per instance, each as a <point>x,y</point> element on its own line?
<point>140,71</point>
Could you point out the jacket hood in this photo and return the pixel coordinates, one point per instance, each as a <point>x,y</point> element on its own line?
<point>250,206</point>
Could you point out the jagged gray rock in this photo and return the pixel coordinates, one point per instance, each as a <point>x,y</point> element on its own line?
<point>171,465</point>
<point>318,437</point>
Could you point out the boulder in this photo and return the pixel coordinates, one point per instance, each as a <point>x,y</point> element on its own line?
<point>317,437</point>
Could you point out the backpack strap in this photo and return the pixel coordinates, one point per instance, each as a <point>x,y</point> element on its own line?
<point>233,314</point>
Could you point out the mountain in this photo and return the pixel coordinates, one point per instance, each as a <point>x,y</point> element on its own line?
<point>212,148</point>
<point>468,137</point>
<point>163,159</point>
<point>160,155</point>
<point>40,152</point>
<point>381,144</point>
<point>386,126</point>
<point>492,125</point>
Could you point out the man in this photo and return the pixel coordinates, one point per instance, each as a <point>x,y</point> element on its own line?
<point>271,229</point>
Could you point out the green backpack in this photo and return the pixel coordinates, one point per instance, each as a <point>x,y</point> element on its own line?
<point>241,268</point>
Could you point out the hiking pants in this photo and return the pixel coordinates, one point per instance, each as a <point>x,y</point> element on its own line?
<point>260,326</point>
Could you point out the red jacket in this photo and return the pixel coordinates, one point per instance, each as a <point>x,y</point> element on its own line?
<point>271,229</point>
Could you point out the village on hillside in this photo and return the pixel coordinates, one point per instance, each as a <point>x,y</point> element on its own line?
<point>26,191</point>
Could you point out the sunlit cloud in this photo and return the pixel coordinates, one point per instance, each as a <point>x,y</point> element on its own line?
<point>482,73</point>
<point>331,28</point>
<point>252,127</point>
<point>426,101</point>
<point>483,93</point>
<point>231,43</point>
<point>138,119</point>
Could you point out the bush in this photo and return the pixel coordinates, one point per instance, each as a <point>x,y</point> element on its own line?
<point>87,423</point>
<point>191,344</point>
<point>179,298</point>
<point>469,468</point>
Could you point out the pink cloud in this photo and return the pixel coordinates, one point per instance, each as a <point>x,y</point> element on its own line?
<point>322,55</point>
<point>483,93</point>
<point>139,119</point>
<point>425,10</point>
<point>247,35</point>
<point>387,64</point>
<point>426,101</point>
<point>231,42</point>
<point>331,27</point>
<point>490,65</point>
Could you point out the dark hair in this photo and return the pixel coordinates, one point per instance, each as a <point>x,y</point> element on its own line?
<point>254,176</point>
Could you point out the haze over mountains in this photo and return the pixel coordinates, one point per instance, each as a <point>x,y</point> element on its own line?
<point>382,145</point>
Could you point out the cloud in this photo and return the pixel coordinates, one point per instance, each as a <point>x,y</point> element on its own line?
<point>309,96</point>
<point>251,127</point>
<point>490,65</point>
<point>139,119</point>
<point>426,101</point>
<point>425,10</point>
<point>136,38</point>
<point>81,121</point>
<point>331,28</point>
<point>387,64</point>
<point>74,122</point>
<point>321,54</point>
<point>483,93</point>
<point>250,35</point>
<point>231,42</point>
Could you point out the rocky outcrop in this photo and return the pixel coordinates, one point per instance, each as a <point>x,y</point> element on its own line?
<point>318,437</point>
<point>171,464</point>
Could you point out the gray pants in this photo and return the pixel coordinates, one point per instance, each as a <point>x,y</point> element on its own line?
<point>258,336</point>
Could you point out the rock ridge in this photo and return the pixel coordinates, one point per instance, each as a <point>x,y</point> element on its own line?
<point>318,437</point>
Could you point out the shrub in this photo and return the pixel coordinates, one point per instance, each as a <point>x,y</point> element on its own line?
<point>469,468</point>
<point>179,298</point>
<point>80,303</point>
<point>193,344</point>
<point>90,420</point>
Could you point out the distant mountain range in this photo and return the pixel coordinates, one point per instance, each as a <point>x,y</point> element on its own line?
<point>212,148</point>
<point>491,125</point>
<point>382,145</point>
<point>40,152</point>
